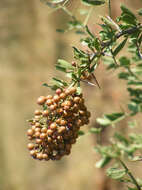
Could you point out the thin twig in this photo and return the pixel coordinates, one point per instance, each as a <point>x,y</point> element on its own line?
<point>94,77</point>
<point>109,7</point>
<point>88,16</point>
<point>130,175</point>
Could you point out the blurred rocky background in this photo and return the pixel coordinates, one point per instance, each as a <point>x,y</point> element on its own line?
<point>29,49</point>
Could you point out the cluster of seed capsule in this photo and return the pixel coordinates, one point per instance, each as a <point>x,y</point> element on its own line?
<point>55,127</point>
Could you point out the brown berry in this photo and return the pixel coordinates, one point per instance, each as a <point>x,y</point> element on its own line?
<point>63,122</point>
<point>30,132</point>
<point>62,95</point>
<point>53,126</point>
<point>43,135</point>
<point>45,113</point>
<point>30,146</point>
<point>76,99</point>
<point>49,97</point>
<point>37,129</point>
<point>32,152</point>
<point>58,91</point>
<point>49,132</point>
<point>45,156</point>
<point>38,112</point>
<point>53,107</point>
<point>37,134</point>
<point>39,156</point>
<point>41,100</point>
<point>49,102</point>
<point>37,124</point>
<point>38,141</point>
<point>44,130</point>
<point>61,129</point>
<point>56,98</point>
<point>49,139</point>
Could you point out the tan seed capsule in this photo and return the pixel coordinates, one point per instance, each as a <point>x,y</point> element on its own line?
<point>49,97</point>
<point>49,102</point>
<point>38,141</point>
<point>58,120</point>
<point>37,130</point>
<point>30,132</point>
<point>37,134</point>
<point>66,108</point>
<point>62,95</point>
<point>68,103</point>
<point>53,126</point>
<point>45,113</point>
<point>49,139</point>
<point>63,122</point>
<point>72,90</point>
<point>30,146</point>
<point>76,99</point>
<point>61,129</point>
<point>52,107</point>
<point>37,118</point>
<point>44,130</point>
<point>32,152</point>
<point>45,156</point>
<point>41,100</point>
<point>37,124</point>
<point>38,112</point>
<point>49,132</point>
<point>43,135</point>
<point>58,91</point>
<point>39,156</point>
<point>33,127</point>
<point>56,98</point>
<point>30,138</point>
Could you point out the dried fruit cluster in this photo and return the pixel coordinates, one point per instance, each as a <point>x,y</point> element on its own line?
<point>55,128</point>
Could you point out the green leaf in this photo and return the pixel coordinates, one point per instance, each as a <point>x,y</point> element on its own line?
<point>64,64</point>
<point>130,188</point>
<point>95,130</point>
<point>93,2</point>
<point>128,19</point>
<point>116,173</point>
<point>124,75</point>
<point>140,12</point>
<point>103,162</point>
<point>81,55</point>
<point>119,47</point>
<point>57,1</point>
<point>53,87</point>
<point>80,133</point>
<point>124,62</point>
<point>103,121</point>
<point>60,30</point>
<point>79,90</point>
<point>127,11</point>
<point>59,82</point>
<point>114,116</point>
<point>121,138</point>
<point>133,107</point>
<point>132,82</point>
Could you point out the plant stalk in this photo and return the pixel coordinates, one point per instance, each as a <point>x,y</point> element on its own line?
<point>130,175</point>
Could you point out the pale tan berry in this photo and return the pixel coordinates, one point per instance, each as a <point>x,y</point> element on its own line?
<point>30,146</point>
<point>58,91</point>
<point>38,112</point>
<point>44,130</point>
<point>41,100</point>
<point>62,95</point>
<point>30,132</point>
<point>45,113</point>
